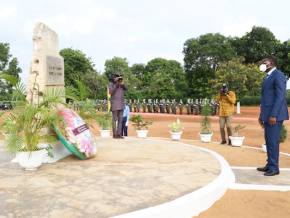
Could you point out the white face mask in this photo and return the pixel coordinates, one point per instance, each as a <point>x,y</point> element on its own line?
<point>263,67</point>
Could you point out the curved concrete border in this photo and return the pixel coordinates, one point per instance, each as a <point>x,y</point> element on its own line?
<point>194,203</point>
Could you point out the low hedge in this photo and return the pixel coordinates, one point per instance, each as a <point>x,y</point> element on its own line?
<point>255,101</point>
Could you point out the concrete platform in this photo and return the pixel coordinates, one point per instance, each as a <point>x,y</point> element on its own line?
<point>128,178</point>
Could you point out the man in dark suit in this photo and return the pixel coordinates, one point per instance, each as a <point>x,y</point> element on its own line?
<point>117,88</point>
<point>273,112</point>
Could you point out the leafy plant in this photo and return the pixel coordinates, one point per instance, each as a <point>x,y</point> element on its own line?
<point>205,124</point>
<point>25,123</point>
<point>139,123</point>
<point>176,126</point>
<point>237,129</point>
<point>283,134</point>
<point>105,121</point>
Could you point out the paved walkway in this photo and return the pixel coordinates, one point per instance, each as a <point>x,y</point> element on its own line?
<point>126,175</point>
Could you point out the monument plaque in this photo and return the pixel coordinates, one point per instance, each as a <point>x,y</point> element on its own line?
<point>54,71</point>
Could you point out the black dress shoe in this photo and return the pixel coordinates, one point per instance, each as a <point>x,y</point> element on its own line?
<point>223,142</point>
<point>263,169</point>
<point>271,173</point>
<point>230,142</point>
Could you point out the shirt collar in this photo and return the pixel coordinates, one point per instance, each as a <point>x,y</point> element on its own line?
<point>269,73</point>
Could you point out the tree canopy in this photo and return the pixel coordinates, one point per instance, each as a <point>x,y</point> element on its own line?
<point>9,66</point>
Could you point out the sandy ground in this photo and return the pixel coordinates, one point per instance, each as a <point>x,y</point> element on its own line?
<point>235,203</point>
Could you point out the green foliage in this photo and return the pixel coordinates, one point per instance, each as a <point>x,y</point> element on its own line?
<point>201,58</point>
<point>243,79</point>
<point>105,121</point>
<point>237,129</point>
<point>176,126</point>
<point>257,44</point>
<point>205,124</point>
<point>283,134</point>
<point>25,123</point>
<point>161,87</point>
<point>8,66</point>
<point>76,64</point>
<point>250,101</point>
<point>139,123</point>
<point>96,84</point>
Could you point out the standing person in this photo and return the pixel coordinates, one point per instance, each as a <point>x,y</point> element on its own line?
<point>227,101</point>
<point>126,116</point>
<point>116,88</point>
<point>273,112</point>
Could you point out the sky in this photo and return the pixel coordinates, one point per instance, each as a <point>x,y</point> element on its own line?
<point>137,30</point>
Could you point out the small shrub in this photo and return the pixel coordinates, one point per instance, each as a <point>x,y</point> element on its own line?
<point>176,126</point>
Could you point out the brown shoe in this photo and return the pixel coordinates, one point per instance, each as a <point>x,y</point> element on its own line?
<point>115,137</point>
<point>121,137</point>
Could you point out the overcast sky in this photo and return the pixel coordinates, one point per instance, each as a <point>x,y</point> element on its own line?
<point>137,30</point>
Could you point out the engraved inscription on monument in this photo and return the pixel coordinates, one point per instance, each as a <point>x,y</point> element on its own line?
<point>54,71</point>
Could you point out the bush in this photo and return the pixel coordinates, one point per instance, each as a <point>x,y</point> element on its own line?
<point>250,101</point>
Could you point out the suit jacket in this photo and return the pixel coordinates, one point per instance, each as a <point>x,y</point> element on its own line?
<point>117,96</point>
<point>273,101</point>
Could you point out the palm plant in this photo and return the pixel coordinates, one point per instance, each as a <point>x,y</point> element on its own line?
<point>25,123</point>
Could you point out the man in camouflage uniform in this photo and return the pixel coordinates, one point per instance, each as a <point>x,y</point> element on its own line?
<point>213,107</point>
<point>188,107</point>
<point>196,107</point>
<point>168,105</point>
<point>180,106</point>
<point>144,105</point>
<point>191,106</point>
<point>155,106</point>
<point>135,105</point>
<point>162,106</point>
<point>173,106</point>
<point>138,105</point>
<point>130,105</point>
<point>149,106</point>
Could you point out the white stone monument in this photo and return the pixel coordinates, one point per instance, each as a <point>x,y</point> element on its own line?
<point>46,66</point>
<point>46,70</point>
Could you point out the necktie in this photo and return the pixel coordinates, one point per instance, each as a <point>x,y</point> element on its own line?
<point>267,76</point>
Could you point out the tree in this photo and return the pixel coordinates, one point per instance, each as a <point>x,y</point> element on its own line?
<point>283,58</point>
<point>170,68</point>
<point>76,64</point>
<point>9,66</point>
<point>201,58</point>
<point>257,44</point>
<point>138,70</point>
<point>97,84</point>
<point>161,86</point>
<point>240,78</point>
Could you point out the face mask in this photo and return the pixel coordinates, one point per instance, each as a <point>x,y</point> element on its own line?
<point>263,67</point>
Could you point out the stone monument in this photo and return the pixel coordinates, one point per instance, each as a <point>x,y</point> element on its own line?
<point>46,66</point>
